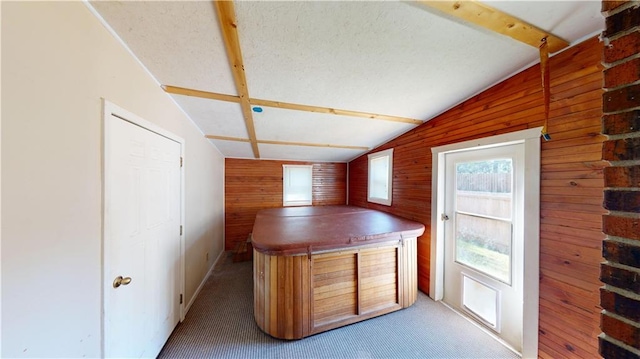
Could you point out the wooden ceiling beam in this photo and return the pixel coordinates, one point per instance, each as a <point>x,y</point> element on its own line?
<point>498,21</point>
<point>286,143</point>
<point>229,27</point>
<point>287,105</point>
<point>306,144</point>
<point>333,111</point>
<point>202,94</point>
<point>226,138</point>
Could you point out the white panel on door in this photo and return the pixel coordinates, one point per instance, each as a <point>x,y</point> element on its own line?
<point>481,300</point>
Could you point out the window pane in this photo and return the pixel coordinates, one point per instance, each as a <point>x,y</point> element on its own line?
<point>379,184</point>
<point>380,177</point>
<point>484,187</point>
<point>297,185</point>
<point>485,245</point>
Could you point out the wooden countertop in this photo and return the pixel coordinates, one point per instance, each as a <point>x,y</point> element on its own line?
<point>298,230</point>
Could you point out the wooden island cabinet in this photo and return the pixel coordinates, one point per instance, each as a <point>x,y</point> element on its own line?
<point>319,268</point>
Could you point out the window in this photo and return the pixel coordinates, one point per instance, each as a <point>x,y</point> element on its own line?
<point>296,189</point>
<point>380,177</point>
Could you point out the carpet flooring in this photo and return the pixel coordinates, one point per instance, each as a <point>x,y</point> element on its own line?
<point>220,324</point>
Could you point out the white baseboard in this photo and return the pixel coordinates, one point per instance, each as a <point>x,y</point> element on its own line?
<point>204,280</point>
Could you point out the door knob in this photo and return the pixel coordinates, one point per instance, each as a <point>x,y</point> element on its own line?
<point>121,281</point>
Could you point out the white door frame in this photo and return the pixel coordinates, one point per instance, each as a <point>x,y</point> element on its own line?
<point>109,109</point>
<point>531,140</point>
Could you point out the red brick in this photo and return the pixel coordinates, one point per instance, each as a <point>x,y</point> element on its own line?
<point>622,47</point>
<point>620,330</point>
<point>621,123</point>
<point>609,350</point>
<point>624,149</point>
<point>622,21</point>
<point>623,253</point>
<point>625,201</point>
<point>621,99</point>
<point>622,74</point>
<point>621,227</point>
<point>610,5</point>
<point>622,177</point>
<point>621,278</point>
<point>620,304</point>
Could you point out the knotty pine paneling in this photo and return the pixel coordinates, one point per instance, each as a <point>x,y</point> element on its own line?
<point>252,185</point>
<point>571,185</point>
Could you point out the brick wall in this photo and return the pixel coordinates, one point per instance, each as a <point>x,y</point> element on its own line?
<point>620,296</point>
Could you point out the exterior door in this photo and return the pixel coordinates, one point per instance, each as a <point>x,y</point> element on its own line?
<point>142,239</point>
<point>483,268</point>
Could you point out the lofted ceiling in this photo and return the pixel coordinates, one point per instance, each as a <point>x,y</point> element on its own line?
<point>327,81</point>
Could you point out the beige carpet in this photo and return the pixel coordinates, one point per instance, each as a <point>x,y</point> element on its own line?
<point>220,324</point>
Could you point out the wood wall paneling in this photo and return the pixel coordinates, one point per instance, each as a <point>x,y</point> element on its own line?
<point>252,185</point>
<point>571,185</point>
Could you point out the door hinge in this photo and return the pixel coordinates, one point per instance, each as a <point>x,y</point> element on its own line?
<point>180,229</point>
<point>444,217</point>
<point>180,298</point>
<point>180,162</point>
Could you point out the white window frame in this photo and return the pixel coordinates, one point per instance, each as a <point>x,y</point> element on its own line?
<point>373,156</point>
<point>308,201</point>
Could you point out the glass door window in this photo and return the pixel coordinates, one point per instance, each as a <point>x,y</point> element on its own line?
<point>483,233</point>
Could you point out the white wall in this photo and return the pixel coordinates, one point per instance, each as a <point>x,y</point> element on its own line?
<point>57,62</point>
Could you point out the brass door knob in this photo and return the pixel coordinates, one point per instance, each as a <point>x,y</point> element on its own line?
<point>121,281</point>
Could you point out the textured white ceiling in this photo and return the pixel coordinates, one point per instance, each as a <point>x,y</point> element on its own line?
<point>291,126</point>
<point>178,41</point>
<point>301,153</point>
<point>381,57</point>
<point>234,149</point>
<point>214,117</point>
<point>391,58</point>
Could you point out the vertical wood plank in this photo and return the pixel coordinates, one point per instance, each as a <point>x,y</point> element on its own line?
<point>256,289</point>
<point>306,295</point>
<point>288,297</point>
<point>274,294</point>
<point>414,270</point>
<point>266,269</point>
<point>359,282</point>
<point>260,290</point>
<point>312,285</point>
<point>401,275</point>
<point>411,271</point>
<point>282,275</point>
<point>297,297</point>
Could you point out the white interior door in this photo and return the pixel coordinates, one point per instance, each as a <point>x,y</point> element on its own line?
<point>142,239</point>
<point>483,238</point>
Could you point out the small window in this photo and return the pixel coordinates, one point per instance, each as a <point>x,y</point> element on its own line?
<point>380,177</point>
<point>296,186</point>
